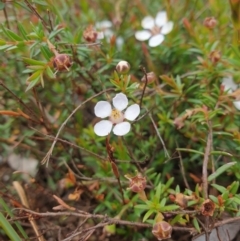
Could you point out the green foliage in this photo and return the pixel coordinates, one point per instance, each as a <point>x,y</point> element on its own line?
<point>187,120</point>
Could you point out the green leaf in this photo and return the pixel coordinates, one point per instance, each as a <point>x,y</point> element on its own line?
<point>142,206</point>
<point>225,196</point>
<point>33,61</point>
<point>9,212</point>
<point>36,67</point>
<point>169,208</point>
<point>42,80</point>
<point>35,75</point>
<point>196,225</point>
<point>55,32</point>
<point>148,214</point>
<point>236,200</point>
<point>6,226</point>
<point>191,203</point>
<point>46,52</point>
<point>178,219</point>
<point>11,48</point>
<point>234,187</point>
<point>213,198</point>
<point>32,83</point>
<point>190,150</point>
<point>169,183</point>
<point>163,202</point>
<point>220,170</point>
<point>197,190</point>
<point>221,189</point>
<point>11,34</point>
<point>221,153</point>
<point>22,31</point>
<point>3,47</point>
<point>158,193</point>
<point>50,73</point>
<point>177,189</point>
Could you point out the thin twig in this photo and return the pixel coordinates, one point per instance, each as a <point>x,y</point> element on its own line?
<point>50,20</point>
<point>49,153</point>
<point>37,14</point>
<point>183,170</point>
<point>159,135</point>
<point>204,228</point>
<point>205,162</point>
<point>19,100</point>
<point>6,17</point>
<point>145,84</point>
<point>43,119</point>
<point>107,219</point>
<point>72,145</point>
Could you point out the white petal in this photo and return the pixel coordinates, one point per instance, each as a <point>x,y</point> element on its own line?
<point>108,33</point>
<point>120,101</point>
<point>161,18</point>
<point>132,112</point>
<point>229,84</point>
<point>103,127</point>
<point>119,43</point>
<point>143,35</point>
<point>156,40</point>
<point>237,104</point>
<point>148,22</point>
<point>102,109</point>
<point>167,28</point>
<point>100,35</point>
<point>122,128</point>
<point>104,24</point>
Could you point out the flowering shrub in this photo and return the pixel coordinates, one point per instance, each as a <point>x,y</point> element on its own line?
<point>169,124</point>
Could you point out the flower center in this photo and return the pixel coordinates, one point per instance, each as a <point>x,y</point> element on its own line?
<point>155,30</point>
<point>116,116</point>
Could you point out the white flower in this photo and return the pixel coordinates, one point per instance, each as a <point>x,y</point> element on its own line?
<point>155,29</point>
<point>104,109</point>
<point>230,86</point>
<point>104,28</point>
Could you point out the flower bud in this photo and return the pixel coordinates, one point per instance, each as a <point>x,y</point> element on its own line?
<point>62,62</point>
<point>162,230</point>
<point>207,208</point>
<point>90,34</point>
<point>215,56</point>
<point>81,89</point>
<point>123,67</point>
<point>137,183</point>
<point>151,77</point>
<point>210,22</point>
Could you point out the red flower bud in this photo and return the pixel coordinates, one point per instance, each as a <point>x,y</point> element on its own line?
<point>162,230</point>
<point>123,67</point>
<point>90,34</point>
<point>215,56</point>
<point>210,22</point>
<point>62,62</point>
<point>137,183</point>
<point>151,77</point>
<point>207,208</point>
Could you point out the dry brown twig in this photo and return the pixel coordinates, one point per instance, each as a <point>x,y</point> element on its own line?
<point>24,201</point>
<point>205,162</point>
<point>49,153</point>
